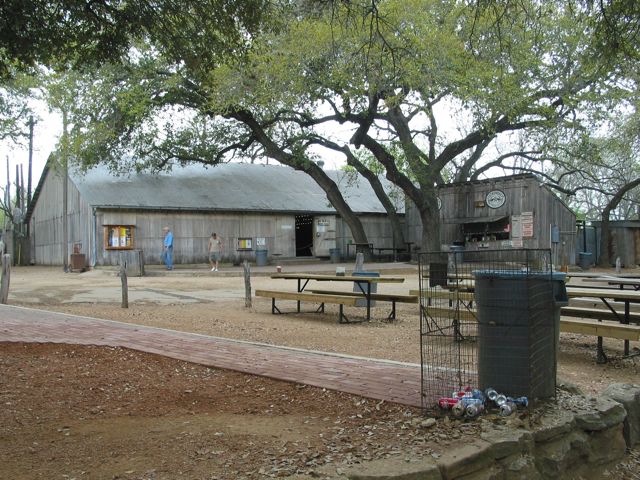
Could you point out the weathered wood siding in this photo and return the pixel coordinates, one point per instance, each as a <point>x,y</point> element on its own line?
<point>46,224</point>
<point>191,230</point>
<point>377,227</point>
<point>466,203</point>
<point>624,242</point>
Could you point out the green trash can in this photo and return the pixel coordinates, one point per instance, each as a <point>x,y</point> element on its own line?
<point>518,330</point>
<point>584,259</point>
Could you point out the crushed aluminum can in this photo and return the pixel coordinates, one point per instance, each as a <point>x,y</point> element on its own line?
<point>458,409</point>
<point>473,410</point>
<point>507,408</point>
<point>520,401</point>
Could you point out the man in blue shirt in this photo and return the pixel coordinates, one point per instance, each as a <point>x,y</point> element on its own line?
<point>167,250</point>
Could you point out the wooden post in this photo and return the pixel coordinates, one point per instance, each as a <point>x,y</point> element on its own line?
<point>123,279</point>
<point>6,274</point>
<point>247,284</point>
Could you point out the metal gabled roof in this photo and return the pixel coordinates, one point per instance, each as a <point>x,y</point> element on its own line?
<point>226,187</point>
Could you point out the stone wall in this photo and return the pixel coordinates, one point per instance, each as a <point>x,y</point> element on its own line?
<point>572,437</point>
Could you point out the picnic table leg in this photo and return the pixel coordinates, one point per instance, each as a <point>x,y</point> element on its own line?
<point>626,322</point>
<point>300,288</point>
<point>367,295</point>
<point>392,315</point>
<point>601,357</point>
<point>342,318</point>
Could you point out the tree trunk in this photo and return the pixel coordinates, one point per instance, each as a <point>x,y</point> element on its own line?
<point>430,241</point>
<point>427,205</point>
<point>605,232</point>
<point>337,200</point>
<point>305,165</point>
<point>383,197</point>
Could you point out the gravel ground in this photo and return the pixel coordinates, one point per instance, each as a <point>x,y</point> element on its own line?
<point>109,413</point>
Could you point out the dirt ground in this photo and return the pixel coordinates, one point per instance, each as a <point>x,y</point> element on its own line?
<point>89,412</point>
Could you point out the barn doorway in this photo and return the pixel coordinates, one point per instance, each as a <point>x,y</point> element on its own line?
<point>304,235</point>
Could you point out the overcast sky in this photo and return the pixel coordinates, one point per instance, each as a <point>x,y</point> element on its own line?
<point>45,136</point>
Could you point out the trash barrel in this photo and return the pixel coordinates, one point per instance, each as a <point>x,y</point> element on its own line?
<point>261,257</point>
<point>334,255</point>
<point>518,330</point>
<point>584,259</point>
<point>356,287</point>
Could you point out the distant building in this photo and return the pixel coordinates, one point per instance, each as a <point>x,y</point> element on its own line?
<point>624,242</point>
<point>502,213</point>
<point>250,207</point>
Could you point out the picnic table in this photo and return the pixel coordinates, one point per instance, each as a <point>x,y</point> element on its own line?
<point>620,282</point>
<point>342,298</point>
<point>394,251</point>
<point>606,295</point>
<point>359,247</point>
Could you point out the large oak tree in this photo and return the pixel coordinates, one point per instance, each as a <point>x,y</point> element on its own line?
<point>448,84</point>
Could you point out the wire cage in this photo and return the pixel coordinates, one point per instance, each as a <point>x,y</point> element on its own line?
<point>489,319</point>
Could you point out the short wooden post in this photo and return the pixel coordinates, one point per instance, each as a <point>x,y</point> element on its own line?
<point>6,275</point>
<point>123,279</point>
<point>247,284</point>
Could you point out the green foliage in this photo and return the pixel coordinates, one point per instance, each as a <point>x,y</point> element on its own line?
<point>87,33</point>
<point>427,87</point>
<point>14,108</point>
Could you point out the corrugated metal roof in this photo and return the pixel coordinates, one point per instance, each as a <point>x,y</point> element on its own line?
<point>231,186</point>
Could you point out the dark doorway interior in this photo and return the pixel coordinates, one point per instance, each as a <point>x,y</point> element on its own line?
<point>304,235</point>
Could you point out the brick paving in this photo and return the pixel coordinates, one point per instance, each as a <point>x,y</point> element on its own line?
<point>382,380</point>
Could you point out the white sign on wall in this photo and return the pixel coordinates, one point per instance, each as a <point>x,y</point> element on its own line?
<point>527,224</point>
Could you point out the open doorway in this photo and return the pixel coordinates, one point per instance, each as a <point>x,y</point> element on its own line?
<point>304,235</point>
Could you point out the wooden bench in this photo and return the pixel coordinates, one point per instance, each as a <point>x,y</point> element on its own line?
<point>394,251</point>
<point>340,300</point>
<point>600,329</point>
<point>460,296</point>
<point>452,313</point>
<point>598,322</point>
<point>447,294</point>
<point>593,327</point>
<point>383,297</point>
<point>597,313</point>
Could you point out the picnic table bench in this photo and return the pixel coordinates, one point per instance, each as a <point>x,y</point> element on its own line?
<point>363,283</point>
<point>609,329</point>
<point>394,251</point>
<point>382,297</point>
<point>598,313</point>
<point>601,322</point>
<point>620,283</point>
<point>606,295</point>
<point>340,300</point>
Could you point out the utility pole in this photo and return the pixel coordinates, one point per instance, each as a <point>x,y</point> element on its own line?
<point>65,190</point>
<point>30,168</point>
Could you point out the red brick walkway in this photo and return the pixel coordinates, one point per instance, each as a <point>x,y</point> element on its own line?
<point>389,381</point>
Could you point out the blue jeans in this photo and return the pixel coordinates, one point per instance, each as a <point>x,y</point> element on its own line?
<point>167,257</point>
